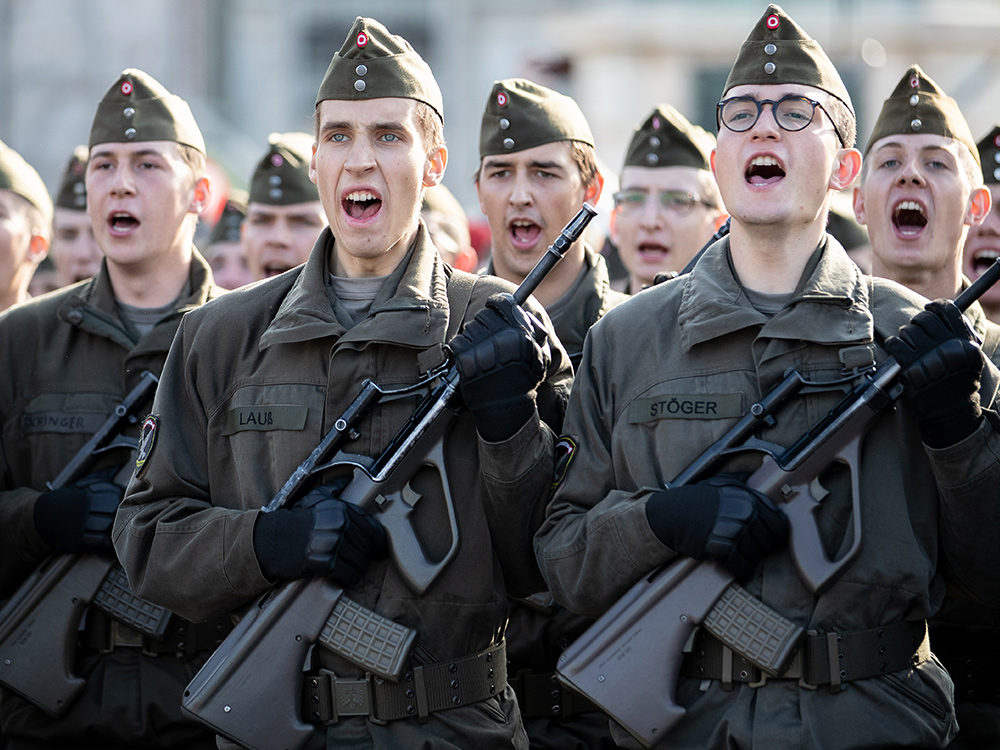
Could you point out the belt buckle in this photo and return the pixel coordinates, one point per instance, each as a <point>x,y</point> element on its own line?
<point>350,698</point>
<point>123,636</point>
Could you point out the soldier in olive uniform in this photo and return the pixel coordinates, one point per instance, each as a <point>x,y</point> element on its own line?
<point>668,205</point>
<point>224,250</point>
<point>921,194</point>
<point>25,223</point>
<point>537,167</point>
<point>73,355</point>
<point>74,251</point>
<point>284,214</point>
<point>780,293</point>
<point>255,380</point>
<point>982,245</point>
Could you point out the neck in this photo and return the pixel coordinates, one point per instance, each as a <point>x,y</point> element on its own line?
<point>153,283</point>
<point>637,283</point>
<point>933,283</point>
<point>771,258</point>
<point>14,294</point>
<point>355,265</point>
<point>558,280</point>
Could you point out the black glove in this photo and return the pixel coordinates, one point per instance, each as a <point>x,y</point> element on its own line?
<point>78,518</point>
<point>719,519</point>
<point>502,355</point>
<point>321,536</point>
<point>941,367</point>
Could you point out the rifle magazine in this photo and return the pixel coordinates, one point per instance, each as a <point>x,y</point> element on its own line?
<point>753,630</point>
<point>116,599</point>
<point>380,645</point>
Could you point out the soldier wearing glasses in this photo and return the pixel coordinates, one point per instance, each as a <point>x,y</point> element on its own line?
<point>780,293</point>
<point>668,205</point>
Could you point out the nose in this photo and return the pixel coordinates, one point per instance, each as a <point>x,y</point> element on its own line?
<point>361,157</point>
<point>911,172</point>
<point>652,213</point>
<point>520,194</point>
<point>123,183</point>
<point>767,124</point>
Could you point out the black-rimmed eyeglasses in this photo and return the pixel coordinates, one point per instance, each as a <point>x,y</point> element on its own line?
<point>673,201</point>
<point>791,113</point>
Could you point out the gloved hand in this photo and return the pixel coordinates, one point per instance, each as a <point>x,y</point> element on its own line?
<point>320,536</point>
<point>719,519</point>
<point>78,518</point>
<point>941,367</point>
<point>502,355</point>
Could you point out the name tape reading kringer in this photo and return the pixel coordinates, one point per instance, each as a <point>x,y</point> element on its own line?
<point>686,406</point>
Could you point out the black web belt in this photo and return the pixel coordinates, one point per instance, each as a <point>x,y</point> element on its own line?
<point>828,659</point>
<point>183,639</point>
<point>541,694</point>
<point>419,692</point>
<point>975,677</point>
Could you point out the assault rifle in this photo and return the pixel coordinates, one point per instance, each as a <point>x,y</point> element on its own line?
<point>38,626</point>
<point>250,689</point>
<point>640,639</point>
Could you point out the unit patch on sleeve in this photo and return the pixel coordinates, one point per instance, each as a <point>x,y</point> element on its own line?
<point>564,450</point>
<point>147,439</point>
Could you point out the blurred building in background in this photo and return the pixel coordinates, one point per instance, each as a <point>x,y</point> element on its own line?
<point>252,67</point>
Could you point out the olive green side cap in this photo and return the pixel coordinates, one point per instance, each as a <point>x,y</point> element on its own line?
<point>374,64</point>
<point>72,193</point>
<point>667,139</point>
<point>228,227</point>
<point>20,178</point>
<point>918,105</point>
<point>282,175</point>
<point>521,114</point>
<point>778,51</point>
<point>989,156</point>
<point>137,108</point>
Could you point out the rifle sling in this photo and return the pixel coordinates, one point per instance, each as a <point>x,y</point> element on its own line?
<point>823,658</point>
<point>327,698</point>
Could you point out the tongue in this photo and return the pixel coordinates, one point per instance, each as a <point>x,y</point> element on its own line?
<point>362,209</point>
<point>526,234</point>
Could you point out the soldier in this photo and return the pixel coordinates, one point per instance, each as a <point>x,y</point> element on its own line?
<point>225,251</point>
<point>537,167</point>
<point>780,293</point>
<point>668,205</point>
<point>449,227</point>
<point>25,224</point>
<point>253,384</point>
<point>982,245</point>
<point>284,214</point>
<point>87,346</point>
<point>74,250</point>
<point>921,195</point>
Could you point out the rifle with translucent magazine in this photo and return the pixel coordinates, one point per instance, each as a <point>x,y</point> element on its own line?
<point>38,626</point>
<point>639,641</point>
<point>250,689</point>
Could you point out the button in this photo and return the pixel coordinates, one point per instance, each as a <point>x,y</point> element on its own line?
<point>504,123</point>
<point>359,85</point>
<point>130,134</point>
<point>128,113</point>
<point>914,100</point>
<point>770,49</point>
<point>508,143</point>
<point>361,70</point>
<point>769,68</point>
<point>916,124</point>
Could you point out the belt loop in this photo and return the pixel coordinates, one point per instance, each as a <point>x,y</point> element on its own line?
<point>833,656</point>
<point>727,668</point>
<point>420,689</point>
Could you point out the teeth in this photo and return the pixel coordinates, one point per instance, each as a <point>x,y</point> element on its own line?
<point>764,161</point>
<point>990,255</point>
<point>522,223</point>
<point>361,195</point>
<point>910,206</point>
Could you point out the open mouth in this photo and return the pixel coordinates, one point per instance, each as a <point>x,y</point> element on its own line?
<point>122,223</point>
<point>982,260</point>
<point>909,218</point>
<point>652,251</point>
<point>361,204</point>
<point>524,233</point>
<point>275,269</point>
<point>764,170</point>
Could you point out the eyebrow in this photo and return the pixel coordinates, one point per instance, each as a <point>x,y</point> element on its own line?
<point>346,125</point>
<point>928,147</point>
<point>534,164</point>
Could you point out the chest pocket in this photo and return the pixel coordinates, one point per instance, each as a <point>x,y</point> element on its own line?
<point>269,430</point>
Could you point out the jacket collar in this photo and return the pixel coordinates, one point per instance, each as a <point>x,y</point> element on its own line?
<point>418,285</point>
<point>831,305</point>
